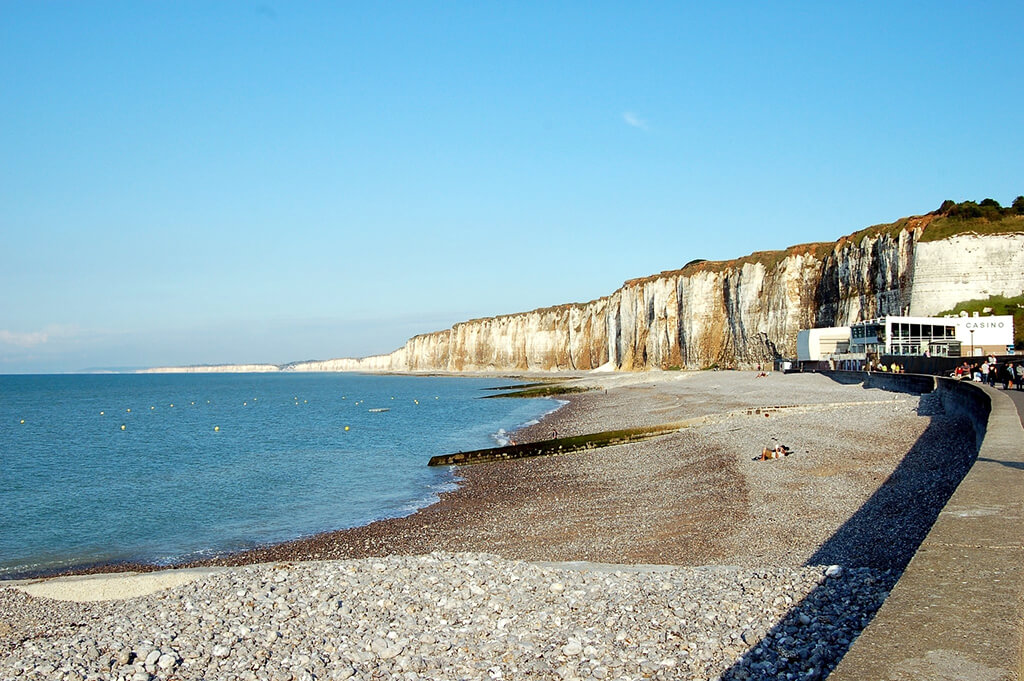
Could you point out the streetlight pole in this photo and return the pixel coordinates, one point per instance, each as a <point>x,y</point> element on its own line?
<point>972,342</point>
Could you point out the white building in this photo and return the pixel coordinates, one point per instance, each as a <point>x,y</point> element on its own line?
<point>936,336</point>
<point>813,345</point>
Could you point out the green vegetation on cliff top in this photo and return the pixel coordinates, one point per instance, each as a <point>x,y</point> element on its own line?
<point>996,305</point>
<point>951,218</point>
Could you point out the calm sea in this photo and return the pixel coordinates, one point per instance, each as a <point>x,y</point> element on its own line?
<point>162,468</point>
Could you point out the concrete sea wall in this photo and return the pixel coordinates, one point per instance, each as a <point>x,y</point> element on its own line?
<point>957,612</point>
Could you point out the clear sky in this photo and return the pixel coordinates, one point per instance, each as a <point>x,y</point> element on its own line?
<point>207,182</point>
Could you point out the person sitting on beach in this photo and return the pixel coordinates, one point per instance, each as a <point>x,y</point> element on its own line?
<point>774,453</point>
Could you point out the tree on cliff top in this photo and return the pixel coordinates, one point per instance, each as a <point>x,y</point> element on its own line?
<point>988,209</point>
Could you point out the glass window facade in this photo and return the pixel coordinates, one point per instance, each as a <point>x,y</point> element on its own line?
<point>902,336</point>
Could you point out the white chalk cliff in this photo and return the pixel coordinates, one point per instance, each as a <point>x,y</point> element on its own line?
<point>740,312</point>
<point>735,313</point>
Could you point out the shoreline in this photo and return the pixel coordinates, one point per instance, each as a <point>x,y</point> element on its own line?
<point>561,492</point>
<point>534,568</point>
<point>241,557</point>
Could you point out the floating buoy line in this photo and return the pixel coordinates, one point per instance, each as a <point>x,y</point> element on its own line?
<point>216,429</point>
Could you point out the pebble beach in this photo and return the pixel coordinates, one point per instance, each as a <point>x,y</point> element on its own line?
<point>679,557</point>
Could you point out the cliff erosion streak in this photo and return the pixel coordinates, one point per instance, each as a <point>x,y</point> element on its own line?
<point>733,313</point>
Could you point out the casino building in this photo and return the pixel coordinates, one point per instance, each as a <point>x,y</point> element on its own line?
<point>962,336</point>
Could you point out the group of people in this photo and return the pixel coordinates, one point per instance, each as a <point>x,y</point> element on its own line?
<point>1010,374</point>
<point>878,365</point>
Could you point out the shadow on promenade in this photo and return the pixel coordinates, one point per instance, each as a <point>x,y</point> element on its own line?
<point>872,549</point>
<point>1009,464</point>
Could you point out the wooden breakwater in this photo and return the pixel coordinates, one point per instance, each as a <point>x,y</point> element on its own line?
<point>561,445</point>
<point>608,438</point>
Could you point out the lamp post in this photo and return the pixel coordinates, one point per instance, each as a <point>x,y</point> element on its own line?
<point>972,342</point>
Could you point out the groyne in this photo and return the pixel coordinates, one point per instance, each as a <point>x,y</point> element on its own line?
<point>556,446</point>
<point>957,611</point>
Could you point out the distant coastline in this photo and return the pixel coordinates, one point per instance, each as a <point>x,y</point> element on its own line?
<point>213,369</point>
<point>741,313</point>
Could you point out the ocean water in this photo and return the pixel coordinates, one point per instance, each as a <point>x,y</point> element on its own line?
<point>165,468</point>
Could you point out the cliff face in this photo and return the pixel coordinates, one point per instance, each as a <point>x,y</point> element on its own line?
<point>737,313</point>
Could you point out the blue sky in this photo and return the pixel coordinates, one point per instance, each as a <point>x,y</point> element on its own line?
<point>195,182</point>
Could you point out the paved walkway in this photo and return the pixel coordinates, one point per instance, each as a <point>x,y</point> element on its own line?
<point>1018,399</point>
<point>956,612</point>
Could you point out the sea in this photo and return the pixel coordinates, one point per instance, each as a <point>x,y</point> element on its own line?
<point>167,468</point>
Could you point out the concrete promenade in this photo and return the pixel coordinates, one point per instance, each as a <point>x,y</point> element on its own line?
<point>957,611</point>
<point>1018,399</point>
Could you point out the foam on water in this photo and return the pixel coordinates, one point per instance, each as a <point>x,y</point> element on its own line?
<point>503,438</point>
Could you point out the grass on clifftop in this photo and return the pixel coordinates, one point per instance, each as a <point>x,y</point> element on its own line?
<point>945,227</point>
<point>950,219</point>
<point>996,305</point>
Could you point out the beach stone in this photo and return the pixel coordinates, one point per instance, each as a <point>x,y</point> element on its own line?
<point>621,625</point>
<point>572,647</point>
<point>343,672</point>
<point>385,650</point>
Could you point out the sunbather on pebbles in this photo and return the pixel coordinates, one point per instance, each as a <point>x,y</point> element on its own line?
<point>777,452</point>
